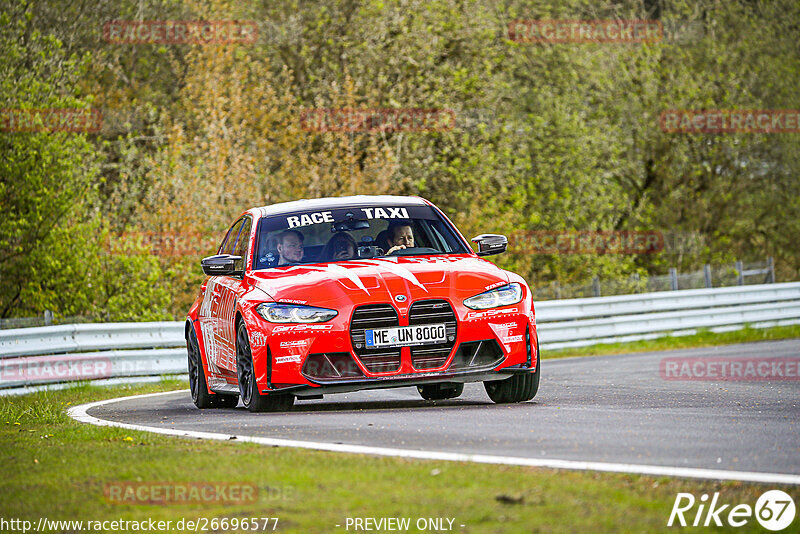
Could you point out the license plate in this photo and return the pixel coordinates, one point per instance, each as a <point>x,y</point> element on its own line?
<point>427,334</point>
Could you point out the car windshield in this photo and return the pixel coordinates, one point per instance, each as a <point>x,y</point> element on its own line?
<point>353,233</point>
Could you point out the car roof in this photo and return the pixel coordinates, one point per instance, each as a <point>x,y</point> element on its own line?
<point>340,202</point>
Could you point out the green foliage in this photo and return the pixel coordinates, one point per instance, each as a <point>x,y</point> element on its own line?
<point>50,231</point>
<point>547,137</point>
<point>47,180</point>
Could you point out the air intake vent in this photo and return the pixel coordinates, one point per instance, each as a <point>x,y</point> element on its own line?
<point>382,360</point>
<point>433,312</point>
<point>331,366</point>
<point>476,354</point>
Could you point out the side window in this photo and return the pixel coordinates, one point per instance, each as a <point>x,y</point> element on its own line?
<point>242,243</point>
<point>230,239</point>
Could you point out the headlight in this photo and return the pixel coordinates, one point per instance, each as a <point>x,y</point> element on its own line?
<point>275,312</point>
<point>502,296</point>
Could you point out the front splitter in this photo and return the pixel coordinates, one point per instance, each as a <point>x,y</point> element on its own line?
<point>347,386</point>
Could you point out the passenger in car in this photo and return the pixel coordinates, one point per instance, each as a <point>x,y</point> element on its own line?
<point>290,247</point>
<point>341,246</point>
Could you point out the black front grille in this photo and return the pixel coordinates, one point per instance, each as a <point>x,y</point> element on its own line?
<point>433,312</point>
<point>381,360</point>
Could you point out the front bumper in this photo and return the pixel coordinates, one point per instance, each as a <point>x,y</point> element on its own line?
<point>293,358</point>
<point>347,386</point>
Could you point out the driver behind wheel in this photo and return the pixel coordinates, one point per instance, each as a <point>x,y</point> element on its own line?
<point>400,236</point>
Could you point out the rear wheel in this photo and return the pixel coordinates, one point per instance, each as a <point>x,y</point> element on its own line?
<point>440,391</point>
<point>197,380</point>
<point>517,388</point>
<point>252,398</point>
<point>197,376</point>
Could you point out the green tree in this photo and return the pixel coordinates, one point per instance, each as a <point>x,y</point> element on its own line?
<point>46,179</point>
<point>51,230</point>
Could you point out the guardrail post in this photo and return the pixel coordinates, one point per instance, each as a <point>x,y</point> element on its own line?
<point>673,278</point>
<point>48,317</point>
<point>636,288</point>
<point>707,273</point>
<point>739,272</point>
<point>596,286</point>
<point>771,268</point>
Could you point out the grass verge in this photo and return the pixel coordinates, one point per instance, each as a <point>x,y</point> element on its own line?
<point>57,468</point>
<point>704,338</point>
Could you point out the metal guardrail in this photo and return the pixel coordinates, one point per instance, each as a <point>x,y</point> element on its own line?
<point>89,337</point>
<point>589,321</point>
<point>62,353</point>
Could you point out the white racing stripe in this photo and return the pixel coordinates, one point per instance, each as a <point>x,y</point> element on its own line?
<point>333,268</point>
<point>79,413</point>
<point>397,270</point>
<point>353,276</point>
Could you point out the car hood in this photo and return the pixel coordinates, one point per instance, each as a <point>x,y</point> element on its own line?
<point>380,280</point>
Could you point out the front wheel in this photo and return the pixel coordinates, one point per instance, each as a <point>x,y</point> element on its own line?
<point>252,398</point>
<point>518,388</point>
<point>221,400</point>
<point>440,391</point>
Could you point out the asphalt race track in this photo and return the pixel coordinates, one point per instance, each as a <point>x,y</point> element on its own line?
<point>614,409</point>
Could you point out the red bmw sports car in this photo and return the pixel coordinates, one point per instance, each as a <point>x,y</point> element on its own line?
<point>342,294</point>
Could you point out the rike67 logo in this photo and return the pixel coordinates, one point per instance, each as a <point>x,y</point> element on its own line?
<point>774,511</point>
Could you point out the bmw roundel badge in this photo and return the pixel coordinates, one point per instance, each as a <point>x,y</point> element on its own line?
<point>400,298</point>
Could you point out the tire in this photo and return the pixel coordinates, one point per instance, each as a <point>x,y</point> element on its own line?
<point>252,398</point>
<point>197,376</point>
<point>517,388</point>
<point>225,401</point>
<point>197,380</point>
<point>434,392</point>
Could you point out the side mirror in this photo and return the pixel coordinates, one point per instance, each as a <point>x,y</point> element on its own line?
<point>489,244</point>
<point>221,265</point>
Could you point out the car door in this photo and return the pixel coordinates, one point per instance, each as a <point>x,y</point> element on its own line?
<point>230,288</point>
<point>209,312</point>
